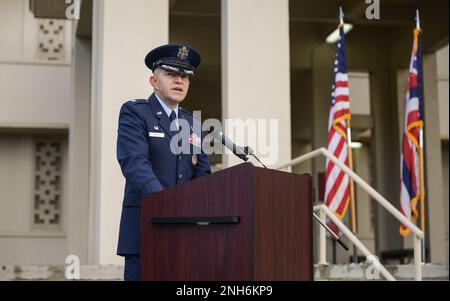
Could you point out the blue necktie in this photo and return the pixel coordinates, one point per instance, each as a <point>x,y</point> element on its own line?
<point>173,116</point>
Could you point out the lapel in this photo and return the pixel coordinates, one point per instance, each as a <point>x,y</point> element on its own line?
<point>160,114</point>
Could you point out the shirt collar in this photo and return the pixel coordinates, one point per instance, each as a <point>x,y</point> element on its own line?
<point>166,108</point>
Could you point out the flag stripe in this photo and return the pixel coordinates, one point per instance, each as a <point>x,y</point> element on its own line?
<point>346,197</point>
<point>341,179</point>
<point>337,153</point>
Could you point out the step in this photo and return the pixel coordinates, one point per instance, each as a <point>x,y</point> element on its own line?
<point>349,272</point>
<point>365,272</point>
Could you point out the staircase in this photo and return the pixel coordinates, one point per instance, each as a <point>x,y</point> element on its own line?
<point>348,272</point>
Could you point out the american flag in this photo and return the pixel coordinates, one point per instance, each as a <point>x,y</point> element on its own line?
<point>410,182</point>
<point>337,184</point>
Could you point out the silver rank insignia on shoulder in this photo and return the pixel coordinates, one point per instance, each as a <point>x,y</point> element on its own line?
<point>156,127</point>
<point>183,52</point>
<point>194,160</point>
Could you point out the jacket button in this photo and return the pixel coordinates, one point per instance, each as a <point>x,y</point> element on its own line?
<point>179,157</point>
<point>180,176</point>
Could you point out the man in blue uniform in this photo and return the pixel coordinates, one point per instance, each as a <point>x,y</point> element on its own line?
<point>147,149</point>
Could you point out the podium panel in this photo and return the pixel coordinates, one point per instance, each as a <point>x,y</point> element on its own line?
<point>242,223</point>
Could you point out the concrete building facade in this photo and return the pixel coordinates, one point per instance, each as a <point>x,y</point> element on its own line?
<point>62,82</point>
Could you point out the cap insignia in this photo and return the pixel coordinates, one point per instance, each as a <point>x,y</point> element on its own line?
<point>183,52</point>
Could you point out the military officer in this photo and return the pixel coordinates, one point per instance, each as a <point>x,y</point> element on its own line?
<point>147,128</point>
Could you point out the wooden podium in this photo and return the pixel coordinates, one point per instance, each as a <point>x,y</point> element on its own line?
<point>242,223</point>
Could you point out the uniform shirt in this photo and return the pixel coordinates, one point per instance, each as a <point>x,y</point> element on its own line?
<point>167,109</point>
<point>147,163</point>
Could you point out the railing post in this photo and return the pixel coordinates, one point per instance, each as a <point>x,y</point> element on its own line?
<point>417,258</point>
<point>322,239</point>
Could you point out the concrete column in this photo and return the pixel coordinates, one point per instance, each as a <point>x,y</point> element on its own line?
<point>78,200</point>
<point>255,75</point>
<point>123,33</point>
<point>323,57</point>
<point>433,164</point>
<point>364,203</point>
<point>386,151</point>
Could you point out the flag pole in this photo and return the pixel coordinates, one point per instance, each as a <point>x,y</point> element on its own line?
<point>422,192</point>
<point>350,164</point>
<point>352,187</point>
<point>421,169</point>
<point>417,19</point>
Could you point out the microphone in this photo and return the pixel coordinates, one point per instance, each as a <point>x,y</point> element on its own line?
<point>240,152</point>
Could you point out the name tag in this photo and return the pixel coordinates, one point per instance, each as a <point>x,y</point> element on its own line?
<point>156,134</point>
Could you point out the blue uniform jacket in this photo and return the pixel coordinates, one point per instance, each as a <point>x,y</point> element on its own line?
<point>147,163</point>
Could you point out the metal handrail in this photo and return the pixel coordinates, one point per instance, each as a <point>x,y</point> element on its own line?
<point>419,235</point>
<point>356,242</point>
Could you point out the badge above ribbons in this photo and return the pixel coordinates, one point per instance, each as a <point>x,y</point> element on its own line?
<point>195,140</point>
